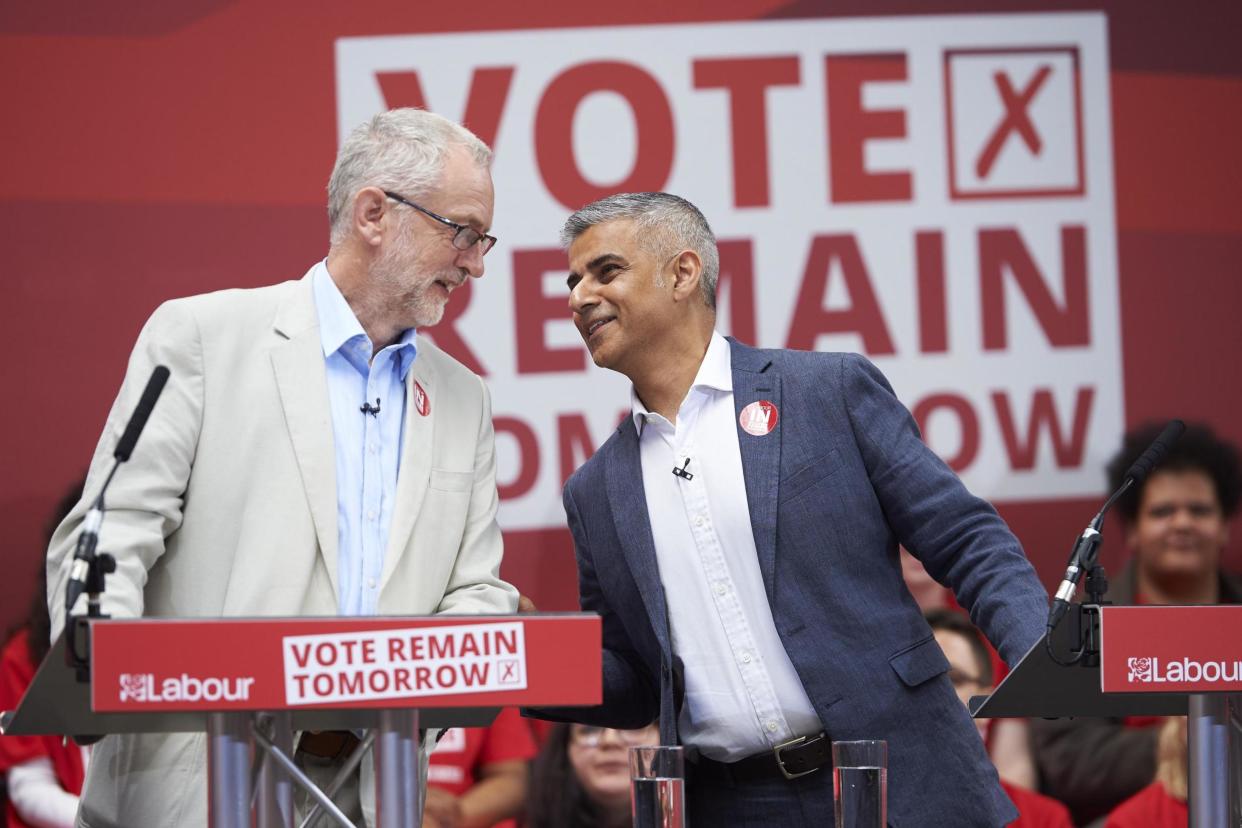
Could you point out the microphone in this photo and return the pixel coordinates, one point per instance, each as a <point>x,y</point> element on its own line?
<point>373,410</point>
<point>682,473</point>
<point>137,422</point>
<point>84,552</point>
<point>1083,554</point>
<point>1155,452</point>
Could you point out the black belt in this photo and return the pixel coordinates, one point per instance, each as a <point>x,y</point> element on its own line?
<point>790,760</point>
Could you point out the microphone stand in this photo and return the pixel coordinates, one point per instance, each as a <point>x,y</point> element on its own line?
<point>1084,619</point>
<point>1084,626</point>
<point>1084,630</point>
<point>90,568</point>
<point>98,566</point>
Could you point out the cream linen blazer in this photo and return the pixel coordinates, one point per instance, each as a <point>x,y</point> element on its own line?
<point>228,507</point>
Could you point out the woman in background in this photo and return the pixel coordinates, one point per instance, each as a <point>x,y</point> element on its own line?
<point>581,777</point>
<point>44,773</point>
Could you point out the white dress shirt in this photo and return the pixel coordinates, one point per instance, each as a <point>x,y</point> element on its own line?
<point>742,693</point>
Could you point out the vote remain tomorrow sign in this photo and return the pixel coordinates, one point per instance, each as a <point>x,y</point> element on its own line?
<point>935,192</point>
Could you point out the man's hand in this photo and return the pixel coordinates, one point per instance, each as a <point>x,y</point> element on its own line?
<point>526,606</point>
<point>441,809</point>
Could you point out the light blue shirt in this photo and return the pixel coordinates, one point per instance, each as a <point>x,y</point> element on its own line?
<point>368,447</point>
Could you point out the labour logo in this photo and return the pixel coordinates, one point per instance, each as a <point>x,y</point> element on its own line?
<point>134,686</point>
<point>1140,669</point>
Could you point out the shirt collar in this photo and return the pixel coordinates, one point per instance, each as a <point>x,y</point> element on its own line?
<point>715,374</point>
<point>339,327</point>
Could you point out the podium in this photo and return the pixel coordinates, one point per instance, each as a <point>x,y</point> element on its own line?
<point>1152,661</point>
<point>252,683</point>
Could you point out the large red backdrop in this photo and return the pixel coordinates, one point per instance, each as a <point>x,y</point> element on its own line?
<point>156,150</point>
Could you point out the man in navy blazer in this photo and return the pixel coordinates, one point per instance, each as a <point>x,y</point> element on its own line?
<point>739,536</point>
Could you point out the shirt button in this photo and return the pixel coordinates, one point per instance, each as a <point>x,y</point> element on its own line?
<point>370,583</point>
<point>721,589</point>
<point>371,448</point>
<point>746,657</point>
<point>772,727</point>
<point>698,520</point>
<point>371,515</point>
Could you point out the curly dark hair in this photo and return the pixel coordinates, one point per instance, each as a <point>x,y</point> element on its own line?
<point>556,798</point>
<point>1198,449</point>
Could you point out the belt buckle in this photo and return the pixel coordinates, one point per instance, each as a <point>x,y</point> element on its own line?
<point>780,762</point>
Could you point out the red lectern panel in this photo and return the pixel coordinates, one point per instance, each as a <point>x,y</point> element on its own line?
<point>152,665</point>
<point>1161,649</point>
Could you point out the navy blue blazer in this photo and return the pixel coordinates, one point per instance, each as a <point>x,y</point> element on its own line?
<point>841,481</point>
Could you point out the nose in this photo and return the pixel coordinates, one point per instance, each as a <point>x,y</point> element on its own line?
<point>1183,517</point>
<point>471,260</point>
<point>610,736</point>
<point>582,297</point>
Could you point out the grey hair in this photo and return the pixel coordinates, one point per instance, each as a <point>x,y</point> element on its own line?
<point>401,150</point>
<point>665,221</point>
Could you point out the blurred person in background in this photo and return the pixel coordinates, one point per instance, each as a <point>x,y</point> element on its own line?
<point>970,670</point>
<point>1176,527</point>
<point>477,776</point>
<point>1162,804</point>
<point>44,772</point>
<point>581,777</point>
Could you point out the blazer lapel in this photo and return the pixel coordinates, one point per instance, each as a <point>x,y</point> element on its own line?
<point>624,479</point>
<point>303,384</point>
<point>415,473</point>
<point>761,454</point>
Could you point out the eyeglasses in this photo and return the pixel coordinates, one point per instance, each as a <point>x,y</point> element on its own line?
<point>591,736</point>
<point>465,237</point>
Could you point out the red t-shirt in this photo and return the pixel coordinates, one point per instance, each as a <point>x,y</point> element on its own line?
<point>16,673</point>
<point>1036,810</point>
<point>462,751</point>
<point>1151,807</point>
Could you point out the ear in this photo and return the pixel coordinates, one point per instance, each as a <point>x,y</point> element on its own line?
<point>687,271</point>
<point>369,207</point>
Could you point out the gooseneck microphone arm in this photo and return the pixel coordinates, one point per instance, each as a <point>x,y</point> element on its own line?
<point>1085,554</point>
<point>1082,557</point>
<point>83,576</point>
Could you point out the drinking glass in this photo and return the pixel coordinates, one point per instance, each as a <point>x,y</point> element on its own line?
<point>860,783</point>
<point>657,787</point>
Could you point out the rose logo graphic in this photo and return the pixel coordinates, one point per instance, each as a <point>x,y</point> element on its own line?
<point>133,687</point>
<point>1140,669</point>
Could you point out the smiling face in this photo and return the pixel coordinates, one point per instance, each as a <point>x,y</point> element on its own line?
<point>1180,530</point>
<point>418,266</point>
<point>621,301</point>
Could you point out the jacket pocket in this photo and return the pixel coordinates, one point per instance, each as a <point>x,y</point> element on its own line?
<point>919,662</point>
<point>451,481</point>
<point>822,467</point>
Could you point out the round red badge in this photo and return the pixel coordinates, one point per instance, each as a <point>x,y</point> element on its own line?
<point>421,401</point>
<point>759,418</point>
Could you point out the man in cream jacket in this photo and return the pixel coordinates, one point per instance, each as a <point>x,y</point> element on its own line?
<point>311,454</point>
